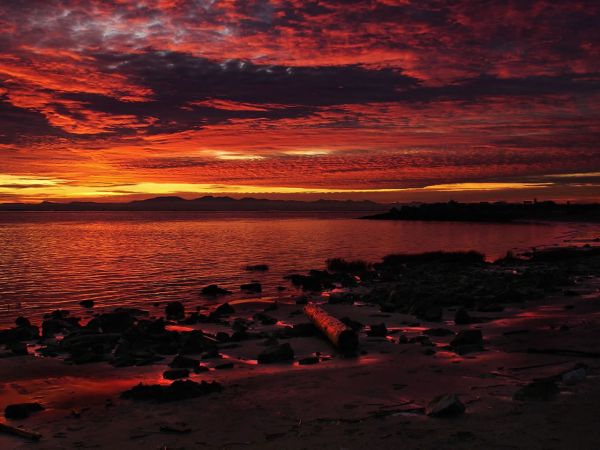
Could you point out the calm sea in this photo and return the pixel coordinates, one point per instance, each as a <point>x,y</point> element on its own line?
<point>55,259</point>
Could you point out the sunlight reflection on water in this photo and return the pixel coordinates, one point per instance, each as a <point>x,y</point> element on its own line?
<point>55,260</point>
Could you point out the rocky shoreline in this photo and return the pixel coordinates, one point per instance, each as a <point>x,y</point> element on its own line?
<point>439,335</point>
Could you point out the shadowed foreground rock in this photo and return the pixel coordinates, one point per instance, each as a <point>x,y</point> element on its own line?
<point>178,390</point>
<point>276,353</point>
<point>540,390</point>
<point>447,405</point>
<point>21,410</point>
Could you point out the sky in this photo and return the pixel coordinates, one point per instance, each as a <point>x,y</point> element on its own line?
<point>388,100</point>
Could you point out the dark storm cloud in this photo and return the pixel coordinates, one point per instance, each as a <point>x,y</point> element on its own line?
<point>178,80</point>
<point>20,122</point>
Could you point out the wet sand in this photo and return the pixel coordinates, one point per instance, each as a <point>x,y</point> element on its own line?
<point>374,399</point>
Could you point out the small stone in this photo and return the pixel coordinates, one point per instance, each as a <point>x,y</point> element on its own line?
<point>183,362</point>
<point>221,336</point>
<point>254,287</point>
<point>574,376</point>
<point>377,330</point>
<point>257,268</point>
<point>21,410</point>
<point>178,390</point>
<point>279,353</point>
<point>265,319</point>
<point>224,309</point>
<point>22,322</point>
<point>467,338</point>
<point>308,360</point>
<point>439,332</point>
<point>301,300</point>
<point>175,310</point>
<point>462,317</point>
<point>214,290</point>
<point>433,314</point>
<point>447,405</point>
<point>227,365</point>
<point>175,374</point>
<point>540,390</point>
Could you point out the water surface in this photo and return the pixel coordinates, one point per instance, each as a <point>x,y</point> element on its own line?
<point>56,259</point>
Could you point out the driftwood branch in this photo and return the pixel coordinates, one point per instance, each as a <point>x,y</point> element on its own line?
<point>340,335</point>
<point>4,428</point>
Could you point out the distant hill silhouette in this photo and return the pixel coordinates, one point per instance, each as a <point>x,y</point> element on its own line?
<point>493,212</point>
<point>207,203</point>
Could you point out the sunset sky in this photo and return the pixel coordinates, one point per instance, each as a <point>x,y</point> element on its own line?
<point>389,100</point>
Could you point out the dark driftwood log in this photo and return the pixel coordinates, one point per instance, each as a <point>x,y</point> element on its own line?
<point>340,335</point>
<point>4,428</point>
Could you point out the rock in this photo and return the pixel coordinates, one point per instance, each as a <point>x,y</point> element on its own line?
<point>58,314</point>
<point>432,314</point>
<point>175,374</point>
<point>308,360</point>
<point>254,287</point>
<point>224,309</point>
<point>50,327</point>
<point>439,332</point>
<point>574,375</point>
<point>270,342</point>
<point>265,319</point>
<point>257,268</point>
<point>279,353</point>
<point>341,298</point>
<point>490,307</point>
<point>178,390</point>
<point>113,322</point>
<point>306,282</point>
<point>211,354</point>
<point>467,337</point>
<point>21,410</point>
<point>221,336</point>
<point>224,366</point>
<point>22,322</point>
<point>196,342</point>
<point>18,349</point>
<point>540,390</point>
<point>183,362</point>
<point>201,368</point>
<point>305,329</point>
<point>377,330</point>
<point>462,317</point>
<point>214,290</point>
<point>18,334</point>
<point>353,324</point>
<point>301,300</point>
<point>133,312</point>
<point>175,311</point>
<point>87,303</point>
<point>447,405</point>
<point>175,428</point>
<point>240,325</point>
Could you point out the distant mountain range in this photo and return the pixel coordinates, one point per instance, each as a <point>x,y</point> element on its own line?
<point>207,203</point>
